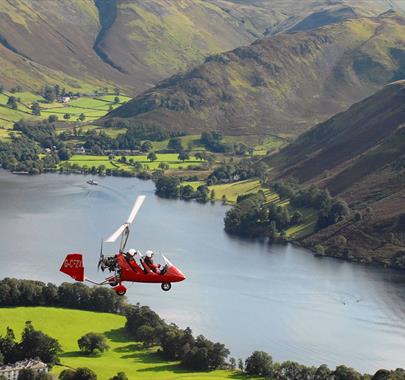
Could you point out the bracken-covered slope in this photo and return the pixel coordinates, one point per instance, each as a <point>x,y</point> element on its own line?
<point>128,42</point>
<point>282,84</point>
<point>133,43</point>
<point>358,155</point>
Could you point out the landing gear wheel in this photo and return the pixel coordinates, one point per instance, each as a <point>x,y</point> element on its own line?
<point>121,293</point>
<point>113,283</point>
<point>166,286</point>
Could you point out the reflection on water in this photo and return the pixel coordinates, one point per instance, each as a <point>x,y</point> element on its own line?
<point>246,294</point>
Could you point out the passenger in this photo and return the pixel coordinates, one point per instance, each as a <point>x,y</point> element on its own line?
<point>149,262</point>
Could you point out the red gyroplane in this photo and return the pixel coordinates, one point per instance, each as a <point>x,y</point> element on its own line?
<point>124,266</point>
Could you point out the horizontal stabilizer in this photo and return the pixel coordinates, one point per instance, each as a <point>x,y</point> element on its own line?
<point>73,266</point>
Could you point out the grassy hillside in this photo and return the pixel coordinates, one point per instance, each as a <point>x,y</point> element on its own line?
<point>124,355</point>
<point>84,44</point>
<point>360,156</point>
<point>280,85</point>
<point>131,43</point>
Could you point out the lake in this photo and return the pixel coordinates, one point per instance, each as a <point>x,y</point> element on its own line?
<point>246,294</point>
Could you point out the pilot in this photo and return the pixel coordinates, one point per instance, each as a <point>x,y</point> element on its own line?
<point>149,262</point>
<point>131,253</point>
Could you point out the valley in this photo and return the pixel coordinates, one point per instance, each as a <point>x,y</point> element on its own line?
<point>269,139</point>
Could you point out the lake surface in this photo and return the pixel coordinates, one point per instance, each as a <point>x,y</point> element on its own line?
<point>246,294</point>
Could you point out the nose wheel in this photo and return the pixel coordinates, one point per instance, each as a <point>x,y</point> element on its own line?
<point>166,286</point>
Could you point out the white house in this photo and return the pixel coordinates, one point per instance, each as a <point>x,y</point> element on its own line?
<point>11,371</point>
<point>65,99</point>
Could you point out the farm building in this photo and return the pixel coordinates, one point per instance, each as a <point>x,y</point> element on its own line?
<point>11,371</point>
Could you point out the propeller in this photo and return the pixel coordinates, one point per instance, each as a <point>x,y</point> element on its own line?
<point>100,260</point>
<point>125,227</point>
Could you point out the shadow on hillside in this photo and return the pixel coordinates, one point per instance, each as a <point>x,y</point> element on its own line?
<point>129,348</point>
<point>118,335</point>
<point>76,354</point>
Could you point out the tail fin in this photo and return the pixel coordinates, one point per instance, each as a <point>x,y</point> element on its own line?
<point>73,266</point>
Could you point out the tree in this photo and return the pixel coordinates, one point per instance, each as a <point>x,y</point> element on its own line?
<point>147,335</point>
<point>344,373</point>
<point>164,166</point>
<point>66,116</point>
<point>322,373</point>
<point>199,156</point>
<point>49,94</point>
<point>187,192</point>
<point>297,217</point>
<point>35,343</point>
<point>67,374</point>
<point>64,154</point>
<point>12,102</point>
<point>152,156</point>
<point>119,376</point>
<point>36,109</point>
<point>26,374</point>
<point>146,146</point>
<point>183,156</point>
<point>116,100</point>
<point>202,193</point>
<point>167,187</point>
<point>81,373</point>
<point>52,118</point>
<point>258,364</point>
<point>241,365</point>
<point>175,144</point>
<point>9,347</point>
<point>82,117</point>
<point>91,342</point>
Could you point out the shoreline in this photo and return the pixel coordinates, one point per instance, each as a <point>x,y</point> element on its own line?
<point>363,260</point>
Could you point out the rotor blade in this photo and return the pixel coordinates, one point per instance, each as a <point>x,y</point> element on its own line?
<point>116,234</point>
<point>135,209</point>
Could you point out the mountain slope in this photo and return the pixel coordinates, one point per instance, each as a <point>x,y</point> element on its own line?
<point>133,43</point>
<point>358,155</point>
<point>281,84</point>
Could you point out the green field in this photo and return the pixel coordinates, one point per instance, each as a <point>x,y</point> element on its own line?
<point>92,107</point>
<point>168,158</point>
<point>232,190</point>
<point>67,326</point>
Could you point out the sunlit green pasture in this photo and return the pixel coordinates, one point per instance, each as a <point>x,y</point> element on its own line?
<point>167,158</point>
<point>67,326</point>
<point>92,107</point>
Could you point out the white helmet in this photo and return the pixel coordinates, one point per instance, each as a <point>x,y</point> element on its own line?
<point>149,253</point>
<point>132,252</point>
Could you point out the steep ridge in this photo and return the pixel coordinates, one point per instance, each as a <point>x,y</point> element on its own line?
<point>281,84</point>
<point>358,155</point>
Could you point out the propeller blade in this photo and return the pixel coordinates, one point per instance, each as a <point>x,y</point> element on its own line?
<point>135,209</point>
<point>116,234</point>
<point>101,256</point>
